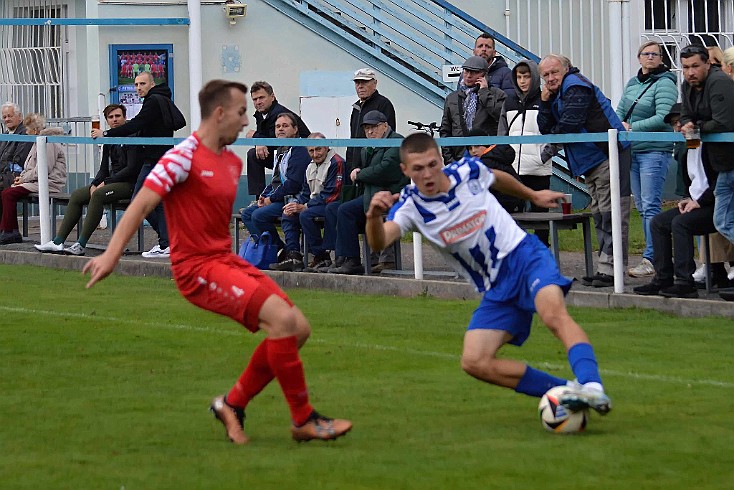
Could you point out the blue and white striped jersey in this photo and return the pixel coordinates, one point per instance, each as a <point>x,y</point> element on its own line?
<point>467,225</point>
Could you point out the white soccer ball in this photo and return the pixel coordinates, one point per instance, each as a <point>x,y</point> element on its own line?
<point>556,418</point>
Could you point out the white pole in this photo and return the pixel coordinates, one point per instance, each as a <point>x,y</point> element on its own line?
<point>195,62</point>
<point>43,198</point>
<point>617,251</point>
<point>615,51</point>
<point>626,41</point>
<point>418,255</point>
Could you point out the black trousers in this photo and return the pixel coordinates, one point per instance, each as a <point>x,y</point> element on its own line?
<point>256,172</point>
<point>672,242</point>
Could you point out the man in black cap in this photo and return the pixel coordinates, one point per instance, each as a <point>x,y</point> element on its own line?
<point>474,105</point>
<point>380,172</point>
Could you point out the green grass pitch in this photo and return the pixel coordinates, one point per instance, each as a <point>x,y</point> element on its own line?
<point>109,388</point>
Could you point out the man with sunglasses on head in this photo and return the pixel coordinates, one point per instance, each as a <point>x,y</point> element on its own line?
<point>707,105</point>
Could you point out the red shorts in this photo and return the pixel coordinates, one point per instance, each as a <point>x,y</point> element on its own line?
<point>230,286</point>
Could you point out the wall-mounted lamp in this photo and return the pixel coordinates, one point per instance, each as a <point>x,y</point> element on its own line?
<point>235,11</point>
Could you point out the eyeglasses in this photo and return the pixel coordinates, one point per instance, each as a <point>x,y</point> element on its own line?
<point>694,49</point>
<point>650,54</point>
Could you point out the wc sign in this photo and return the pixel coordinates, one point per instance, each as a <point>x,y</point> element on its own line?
<point>451,73</point>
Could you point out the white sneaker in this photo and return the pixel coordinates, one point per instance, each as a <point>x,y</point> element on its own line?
<point>157,253</point>
<point>576,399</point>
<point>644,269</point>
<point>50,247</point>
<point>700,274</point>
<point>103,222</point>
<point>731,274</point>
<point>75,249</point>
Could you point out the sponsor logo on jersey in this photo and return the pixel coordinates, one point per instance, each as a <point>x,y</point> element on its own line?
<point>463,229</point>
<point>207,173</point>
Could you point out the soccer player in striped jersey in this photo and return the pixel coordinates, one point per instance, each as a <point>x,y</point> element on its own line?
<point>454,210</point>
<point>198,180</point>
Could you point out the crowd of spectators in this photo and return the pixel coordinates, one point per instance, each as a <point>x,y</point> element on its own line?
<point>323,196</point>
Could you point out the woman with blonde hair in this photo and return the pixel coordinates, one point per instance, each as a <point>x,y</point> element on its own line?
<point>647,99</point>
<point>724,190</point>
<point>27,181</point>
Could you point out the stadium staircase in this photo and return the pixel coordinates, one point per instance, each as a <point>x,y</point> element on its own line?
<point>410,41</point>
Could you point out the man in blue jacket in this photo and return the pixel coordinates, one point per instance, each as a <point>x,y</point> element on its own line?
<point>570,104</point>
<point>288,177</point>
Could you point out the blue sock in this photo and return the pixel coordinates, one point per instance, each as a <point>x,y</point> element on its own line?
<point>536,383</point>
<point>583,363</point>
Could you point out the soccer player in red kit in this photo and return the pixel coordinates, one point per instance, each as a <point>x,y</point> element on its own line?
<point>198,180</point>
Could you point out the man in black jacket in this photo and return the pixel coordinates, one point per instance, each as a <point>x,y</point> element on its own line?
<point>707,104</point>
<point>148,123</point>
<point>365,84</point>
<point>13,153</point>
<point>267,110</point>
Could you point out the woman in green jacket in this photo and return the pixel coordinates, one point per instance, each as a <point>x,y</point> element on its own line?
<point>647,99</point>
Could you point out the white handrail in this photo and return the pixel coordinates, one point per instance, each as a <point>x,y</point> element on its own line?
<point>44,206</point>
<point>617,250</point>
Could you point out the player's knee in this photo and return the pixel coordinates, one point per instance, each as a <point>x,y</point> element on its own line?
<point>555,319</point>
<point>280,320</point>
<point>476,365</point>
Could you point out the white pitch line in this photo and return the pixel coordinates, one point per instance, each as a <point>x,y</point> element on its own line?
<point>359,345</point>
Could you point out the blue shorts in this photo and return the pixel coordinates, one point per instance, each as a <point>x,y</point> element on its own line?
<point>509,305</point>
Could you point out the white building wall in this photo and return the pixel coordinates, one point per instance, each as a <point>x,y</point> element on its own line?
<point>272,48</point>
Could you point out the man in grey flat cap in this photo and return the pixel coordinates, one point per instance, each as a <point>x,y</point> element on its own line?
<point>473,105</point>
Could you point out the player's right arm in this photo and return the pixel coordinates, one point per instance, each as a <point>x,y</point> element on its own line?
<point>381,235</point>
<point>103,265</point>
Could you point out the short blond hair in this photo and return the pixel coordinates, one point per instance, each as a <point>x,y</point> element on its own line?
<point>34,121</point>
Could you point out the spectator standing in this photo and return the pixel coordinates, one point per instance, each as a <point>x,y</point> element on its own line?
<point>498,73</point>
<point>288,178</point>
<point>27,181</point>
<point>323,185</point>
<point>520,118</point>
<point>12,153</point>
<point>381,172</point>
<point>724,192</point>
<point>570,103</point>
<point>114,181</point>
<point>151,121</point>
<point>473,105</point>
<point>365,84</point>
<point>647,99</point>
<point>198,179</point>
<point>267,110</point>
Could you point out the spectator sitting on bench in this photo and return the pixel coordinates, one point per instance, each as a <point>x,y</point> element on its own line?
<point>324,178</point>
<point>114,182</point>
<point>288,177</point>
<point>27,181</point>
<point>498,157</point>
<point>380,172</point>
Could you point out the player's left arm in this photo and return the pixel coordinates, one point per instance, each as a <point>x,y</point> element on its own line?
<point>507,184</point>
<point>381,235</point>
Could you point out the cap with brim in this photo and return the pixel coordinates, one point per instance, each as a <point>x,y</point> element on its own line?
<point>674,111</point>
<point>374,117</point>
<point>475,63</point>
<point>364,74</point>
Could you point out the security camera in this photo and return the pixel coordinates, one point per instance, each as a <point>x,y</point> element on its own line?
<point>235,11</point>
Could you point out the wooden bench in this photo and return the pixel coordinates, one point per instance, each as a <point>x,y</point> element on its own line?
<point>558,221</point>
<point>237,219</point>
<point>62,199</point>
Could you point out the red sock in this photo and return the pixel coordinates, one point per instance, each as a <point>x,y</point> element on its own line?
<point>256,376</point>
<point>288,368</point>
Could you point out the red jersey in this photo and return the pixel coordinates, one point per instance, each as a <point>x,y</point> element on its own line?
<point>198,187</point>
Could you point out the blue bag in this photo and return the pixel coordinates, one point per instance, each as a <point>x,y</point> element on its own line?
<point>259,251</point>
